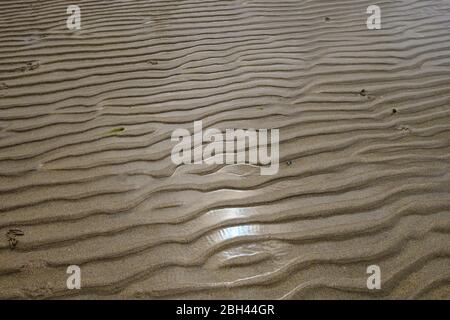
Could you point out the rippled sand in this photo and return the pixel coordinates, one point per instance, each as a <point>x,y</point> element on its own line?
<point>86,174</point>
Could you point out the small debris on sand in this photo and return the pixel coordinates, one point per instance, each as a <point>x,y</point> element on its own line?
<point>11,236</point>
<point>116,130</point>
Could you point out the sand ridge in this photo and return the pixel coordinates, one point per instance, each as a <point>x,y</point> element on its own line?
<point>86,174</point>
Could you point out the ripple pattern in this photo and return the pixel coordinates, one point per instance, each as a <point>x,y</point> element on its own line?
<point>364,120</point>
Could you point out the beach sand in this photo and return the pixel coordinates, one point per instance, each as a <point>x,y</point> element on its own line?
<point>86,176</point>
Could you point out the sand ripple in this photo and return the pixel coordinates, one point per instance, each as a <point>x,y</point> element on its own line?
<point>364,178</point>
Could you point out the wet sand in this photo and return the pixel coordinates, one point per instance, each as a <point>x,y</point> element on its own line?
<point>86,174</point>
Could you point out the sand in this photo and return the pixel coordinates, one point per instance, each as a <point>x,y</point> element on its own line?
<point>86,174</point>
